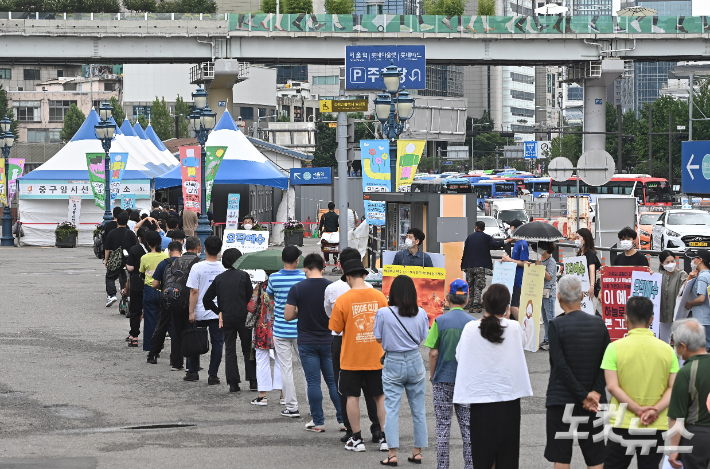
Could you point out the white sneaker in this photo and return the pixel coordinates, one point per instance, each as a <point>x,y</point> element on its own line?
<point>656,30</point>
<point>355,445</point>
<point>312,427</point>
<point>359,28</point>
<point>282,401</point>
<point>110,301</point>
<point>425,27</point>
<point>342,427</point>
<point>383,445</point>
<point>259,401</point>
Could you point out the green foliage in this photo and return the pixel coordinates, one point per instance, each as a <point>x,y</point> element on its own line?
<point>268,6</point>
<point>6,110</point>
<point>7,5</point>
<point>296,6</point>
<point>326,140</point>
<point>140,5</point>
<point>72,122</point>
<point>187,6</point>
<point>444,7</point>
<point>161,120</point>
<point>65,229</point>
<point>283,118</point>
<point>339,7</point>
<point>118,113</point>
<point>182,109</point>
<point>486,8</point>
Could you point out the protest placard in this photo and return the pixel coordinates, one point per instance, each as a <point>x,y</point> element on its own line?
<point>648,285</point>
<point>578,266</point>
<point>504,273</point>
<point>245,240</point>
<point>616,289</point>
<point>531,305</point>
<point>429,281</point>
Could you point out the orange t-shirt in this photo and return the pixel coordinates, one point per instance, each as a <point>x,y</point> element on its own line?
<point>354,314</point>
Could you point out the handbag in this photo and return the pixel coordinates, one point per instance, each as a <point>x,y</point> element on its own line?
<point>194,342</point>
<point>382,358</point>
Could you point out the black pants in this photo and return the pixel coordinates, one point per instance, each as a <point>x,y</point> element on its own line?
<point>164,325</point>
<point>180,322</point>
<point>616,457</point>
<point>495,429</point>
<point>231,366</point>
<point>327,257</point>
<point>369,401</point>
<point>136,313</point>
<point>111,281</point>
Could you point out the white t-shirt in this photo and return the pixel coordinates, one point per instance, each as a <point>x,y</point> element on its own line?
<point>489,372</point>
<point>201,276</point>
<point>332,292</point>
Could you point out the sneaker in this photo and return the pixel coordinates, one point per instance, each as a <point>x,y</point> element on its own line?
<point>191,376</point>
<point>282,401</point>
<point>342,427</point>
<point>152,360</point>
<point>425,27</point>
<point>346,437</point>
<point>234,387</point>
<point>359,29</point>
<point>383,444</point>
<point>446,23</point>
<point>110,301</point>
<point>545,346</point>
<point>176,368</point>
<point>259,401</point>
<point>312,427</point>
<point>594,28</point>
<point>405,29</point>
<point>212,380</point>
<point>290,413</point>
<point>355,445</point>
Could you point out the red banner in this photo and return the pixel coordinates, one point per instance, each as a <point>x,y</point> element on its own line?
<point>616,289</point>
<point>191,177</point>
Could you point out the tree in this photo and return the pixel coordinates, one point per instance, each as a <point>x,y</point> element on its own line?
<point>339,7</point>
<point>140,5</point>
<point>72,122</point>
<point>103,6</point>
<point>142,121</point>
<point>118,113</point>
<point>283,118</point>
<point>6,110</point>
<point>182,110</point>
<point>297,6</point>
<point>161,120</point>
<point>486,8</point>
<point>268,6</point>
<point>187,6</point>
<point>444,7</point>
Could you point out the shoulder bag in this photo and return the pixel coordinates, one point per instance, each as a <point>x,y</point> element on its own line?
<point>382,358</point>
<point>194,342</point>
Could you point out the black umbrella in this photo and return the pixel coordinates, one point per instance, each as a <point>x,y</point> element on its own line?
<point>537,231</point>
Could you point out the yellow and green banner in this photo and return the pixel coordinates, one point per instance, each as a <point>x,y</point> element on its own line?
<point>213,159</point>
<point>95,162</point>
<point>409,153</point>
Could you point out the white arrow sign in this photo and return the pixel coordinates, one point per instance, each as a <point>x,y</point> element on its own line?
<point>416,73</point>
<point>692,166</point>
<point>296,176</point>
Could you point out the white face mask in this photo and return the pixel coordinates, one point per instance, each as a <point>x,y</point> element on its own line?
<point>408,242</point>
<point>247,226</point>
<point>695,266</point>
<point>669,267</point>
<point>579,243</point>
<point>626,244</point>
<point>541,252</point>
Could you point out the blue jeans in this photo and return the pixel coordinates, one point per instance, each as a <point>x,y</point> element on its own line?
<point>317,359</point>
<point>216,342</point>
<point>404,371</point>
<point>548,310</point>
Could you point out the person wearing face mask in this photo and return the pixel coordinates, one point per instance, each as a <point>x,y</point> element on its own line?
<point>585,246</point>
<point>673,280</point>
<point>700,306</point>
<point>631,257</point>
<point>549,289</point>
<point>248,223</point>
<point>413,255</point>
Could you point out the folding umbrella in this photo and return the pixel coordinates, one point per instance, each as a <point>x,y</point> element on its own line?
<point>537,231</point>
<point>269,260</point>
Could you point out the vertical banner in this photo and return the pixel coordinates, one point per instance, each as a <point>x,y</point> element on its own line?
<point>504,273</point>
<point>578,266</point>
<point>3,182</point>
<point>213,158</point>
<point>74,209</point>
<point>409,152</point>
<point>530,311</point>
<point>128,201</point>
<point>117,166</point>
<point>430,284</point>
<point>232,212</point>
<point>375,165</point>
<point>190,170</point>
<point>616,288</point>
<point>375,213</point>
<point>648,285</point>
<point>17,167</point>
<point>95,162</point>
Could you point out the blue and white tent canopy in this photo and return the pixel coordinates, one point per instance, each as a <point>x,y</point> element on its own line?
<point>242,164</point>
<point>165,157</point>
<point>148,155</point>
<point>153,137</point>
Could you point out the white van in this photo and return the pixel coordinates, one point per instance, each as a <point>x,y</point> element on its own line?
<point>508,209</point>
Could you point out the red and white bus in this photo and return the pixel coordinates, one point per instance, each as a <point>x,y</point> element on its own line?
<point>648,190</point>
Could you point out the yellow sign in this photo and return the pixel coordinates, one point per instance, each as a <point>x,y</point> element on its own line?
<point>343,105</point>
<point>413,272</point>
<point>332,125</point>
<point>531,305</point>
<point>326,105</point>
<point>409,152</point>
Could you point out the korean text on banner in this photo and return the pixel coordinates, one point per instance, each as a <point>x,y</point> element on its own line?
<point>245,240</point>
<point>616,289</point>
<point>409,152</point>
<point>531,305</point>
<point>213,158</point>
<point>3,186</point>
<point>95,162</point>
<point>232,212</point>
<point>648,285</point>
<point>504,273</point>
<point>190,170</point>
<point>375,213</point>
<point>128,201</point>
<point>578,266</point>
<point>375,165</point>
<point>430,283</point>
<point>74,215</point>
<point>16,168</point>
<point>117,167</point>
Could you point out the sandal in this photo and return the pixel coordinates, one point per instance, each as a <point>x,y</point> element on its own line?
<point>133,343</point>
<point>388,462</point>
<point>413,458</point>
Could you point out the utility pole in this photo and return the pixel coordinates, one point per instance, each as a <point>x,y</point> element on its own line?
<point>619,139</point>
<point>670,149</point>
<point>650,139</point>
<point>690,109</point>
<point>342,157</point>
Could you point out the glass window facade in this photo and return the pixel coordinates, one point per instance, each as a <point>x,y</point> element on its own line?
<point>327,80</point>
<point>284,73</point>
<point>58,109</point>
<point>669,7</point>
<point>27,111</point>
<point>247,113</point>
<point>31,74</point>
<point>5,73</point>
<point>520,78</point>
<point>524,95</point>
<point>443,80</point>
<point>44,135</point>
<point>521,112</point>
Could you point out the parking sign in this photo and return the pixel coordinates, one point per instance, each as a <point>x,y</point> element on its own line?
<point>363,65</point>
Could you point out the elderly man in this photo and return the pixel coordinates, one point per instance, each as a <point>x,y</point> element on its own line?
<point>577,344</point>
<point>690,393</point>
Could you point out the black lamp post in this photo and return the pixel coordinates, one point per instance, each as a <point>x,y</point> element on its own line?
<point>393,107</point>
<point>203,121</point>
<point>104,132</point>
<point>7,138</point>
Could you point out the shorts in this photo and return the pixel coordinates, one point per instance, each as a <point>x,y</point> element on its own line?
<point>515,298</point>
<point>560,450</point>
<point>350,382</point>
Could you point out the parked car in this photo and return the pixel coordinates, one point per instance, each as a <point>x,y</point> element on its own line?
<point>493,227</point>
<point>644,227</point>
<point>679,230</point>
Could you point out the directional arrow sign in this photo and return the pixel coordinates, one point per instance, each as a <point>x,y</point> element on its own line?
<point>695,164</point>
<point>692,166</point>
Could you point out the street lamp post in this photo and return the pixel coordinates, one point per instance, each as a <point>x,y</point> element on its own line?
<point>7,138</point>
<point>104,132</point>
<point>393,107</point>
<point>203,120</point>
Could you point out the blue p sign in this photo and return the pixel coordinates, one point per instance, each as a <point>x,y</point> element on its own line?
<point>357,75</point>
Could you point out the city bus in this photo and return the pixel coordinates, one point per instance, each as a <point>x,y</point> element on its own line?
<point>504,188</point>
<point>457,185</point>
<point>484,190</point>
<point>648,190</point>
<point>538,187</point>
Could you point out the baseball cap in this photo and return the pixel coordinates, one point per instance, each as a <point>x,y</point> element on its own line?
<point>290,254</point>
<point>703,254</point>
<point>458,287</point>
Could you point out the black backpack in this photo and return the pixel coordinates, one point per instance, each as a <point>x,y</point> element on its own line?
<point>176,294</point>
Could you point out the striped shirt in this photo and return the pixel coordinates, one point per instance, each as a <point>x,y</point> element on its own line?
<point>279,285</point>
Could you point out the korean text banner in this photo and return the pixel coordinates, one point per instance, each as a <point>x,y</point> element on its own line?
<point>3,185</point>
<point>648,285</point>
<point>531,305</point>
<point>430,283</point>
<point>128,201</point>
<point>232,212</point>
<point>95,161</point>
<point>213,159</point>
<point>504,273</point>
<point>616,289</point>
<point>409,152</point>
<point>578,266</point>
<point>117,167</point>
<point>375,165</point>
<point>245,240</point>
<point>375,213</point>
<point>190,170</point>
<point>17,167</point>
<point>74,214</point>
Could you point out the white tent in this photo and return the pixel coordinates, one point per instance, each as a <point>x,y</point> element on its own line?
<point>165,156</point>
<point>44,192</point>
<point>153,137</point>
<point>150,157</point>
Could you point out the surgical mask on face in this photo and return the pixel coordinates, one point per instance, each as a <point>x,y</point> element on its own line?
<point>541,252</point>
<point>669,267</point>
<point>695,265</point>
<point>626,244</point>
<point>579,243</point>
<point>247,226</point>
<point>408,242</point>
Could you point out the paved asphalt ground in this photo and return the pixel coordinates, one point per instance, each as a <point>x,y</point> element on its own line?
<point>73,395</point>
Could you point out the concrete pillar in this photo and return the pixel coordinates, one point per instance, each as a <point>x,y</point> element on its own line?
<point>595,101</point>
<point>226,74</point>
